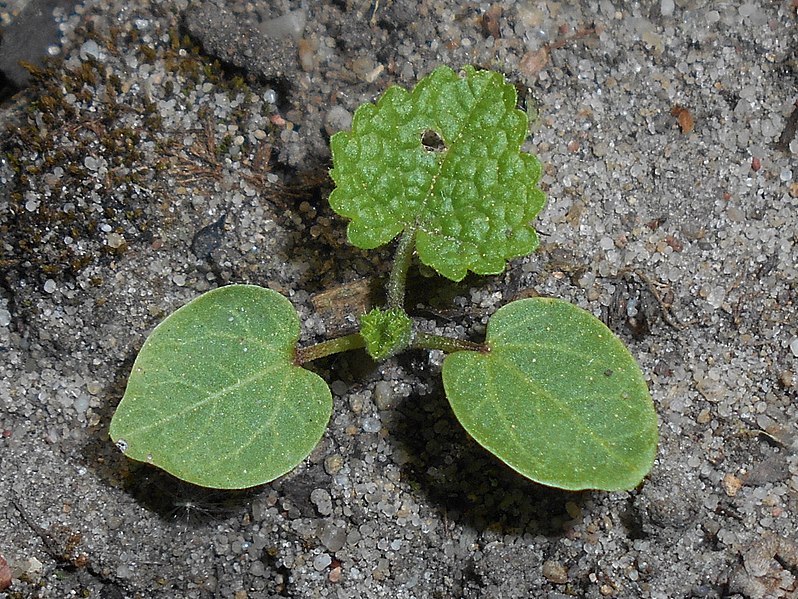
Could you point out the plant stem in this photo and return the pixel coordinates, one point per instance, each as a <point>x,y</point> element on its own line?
<point>447,344</point>
<point>328,348</point>
<point>401,264</point>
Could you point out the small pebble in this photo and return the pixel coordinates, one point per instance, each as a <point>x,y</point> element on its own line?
<point>124,571</point>
<point>746,10</point>
<point>322,500</point>
<point>731,485</point>
<point>257,568</point>
<point>321,561</point>
<point>333,464</point>
<point>90,49</point>
<point>291,24</point>
<point>339,387</point>
<point>716,297</point>
<point>555,572</point>
<point>384,395</point>
<point>332,537</point>
<point>115,240</point>
<point>338,119</point>
<point>371,425</point>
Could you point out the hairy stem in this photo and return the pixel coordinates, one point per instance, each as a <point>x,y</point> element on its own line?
<point>401,264</point>
<point>447,344</point>
<point>328,348</point>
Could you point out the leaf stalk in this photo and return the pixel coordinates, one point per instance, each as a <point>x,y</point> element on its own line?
<point>328,348</point>
<point>447,344</point>
<point>401,264</point>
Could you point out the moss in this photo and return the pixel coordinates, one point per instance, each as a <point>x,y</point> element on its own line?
<point>77,114</point>
<point>148,52</point>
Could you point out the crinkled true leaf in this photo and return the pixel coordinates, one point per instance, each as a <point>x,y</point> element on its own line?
<point>214,397</point>
<point>471,199</point>
<point>386,332</point>
<point>558,398</point>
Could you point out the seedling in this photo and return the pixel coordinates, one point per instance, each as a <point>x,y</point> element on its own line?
<point>218,395</point>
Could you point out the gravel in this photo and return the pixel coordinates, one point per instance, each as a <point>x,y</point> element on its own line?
<point>668,134</point>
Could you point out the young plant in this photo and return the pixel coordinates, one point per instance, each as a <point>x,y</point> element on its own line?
<point>218,395</point>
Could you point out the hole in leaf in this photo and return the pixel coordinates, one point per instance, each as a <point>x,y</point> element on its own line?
<point>432,142</point>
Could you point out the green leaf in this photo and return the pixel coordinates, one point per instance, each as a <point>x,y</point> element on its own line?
<point>472,197</point>
<point>386,332</point>
<point>214,397</point>
<point>557,397</point>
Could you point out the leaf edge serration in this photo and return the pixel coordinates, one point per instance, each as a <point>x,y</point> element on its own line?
<point>451,255</point>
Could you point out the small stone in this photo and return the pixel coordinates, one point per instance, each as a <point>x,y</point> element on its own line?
<point>90,49</point>
<point>115,240</point>
<point>746,10</point>
<point>321,562</point>
<point>600,149</point>
<point>322,500</point>
<point>81,404</point>
<point>335,574</point>
<point>333,464</point>
<point>731,485</point>
<point>382,570</point>
<point>666,7</point>
<point>289,25</point>
<point>555,572</point>
<point>49,286</point>
<point>787,378</point>
<point>124,571</point>
<point>333,537</point>
<point>339,387</point>
<point>384,395</point>
<point>208,239</point>
<point>794,346</point>
<point>735,215</point>
<point>371,425</point>
<point>716,297</point>
<point>364,68</point>
<point>338,119</point>
<point>257,568</point>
